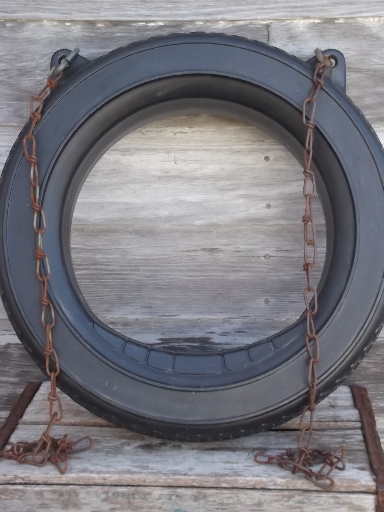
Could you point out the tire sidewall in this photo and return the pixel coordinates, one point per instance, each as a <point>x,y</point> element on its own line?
<point>347,337</point>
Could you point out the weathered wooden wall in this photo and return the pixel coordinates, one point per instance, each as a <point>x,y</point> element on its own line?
<point>191,226</point>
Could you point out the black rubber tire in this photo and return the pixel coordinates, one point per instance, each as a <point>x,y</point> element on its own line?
<point>196,396</point>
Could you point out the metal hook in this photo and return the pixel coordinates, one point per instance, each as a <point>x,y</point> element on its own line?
<point>64,62</point>
<point>328,61</point>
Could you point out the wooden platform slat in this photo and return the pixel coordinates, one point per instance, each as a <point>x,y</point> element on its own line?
<point>161,499</point>
<point>116,460</point>
<point>123,458</point>
<point>182,10</point>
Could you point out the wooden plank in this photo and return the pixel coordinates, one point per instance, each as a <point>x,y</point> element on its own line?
<point>116,460</point>
<point>17,369</point>
<point>6,339</point>
<point>177,10</point>
<point>8,135</point>
<point>7,333</point>
<point>161,499</point>
<point>337,411</point>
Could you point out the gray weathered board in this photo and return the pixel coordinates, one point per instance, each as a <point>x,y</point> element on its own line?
<point>128,471</point>
<point>184,10</point>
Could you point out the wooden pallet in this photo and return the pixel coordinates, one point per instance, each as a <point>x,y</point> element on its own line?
<point>132,472</point>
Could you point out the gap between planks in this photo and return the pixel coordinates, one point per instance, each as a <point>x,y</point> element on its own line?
<point>119,457</point>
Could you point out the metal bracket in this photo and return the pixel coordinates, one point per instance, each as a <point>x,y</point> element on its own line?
<point>372,440</point>
<point>77,62</point>
<point>17,412</point>
<point>337,74</point>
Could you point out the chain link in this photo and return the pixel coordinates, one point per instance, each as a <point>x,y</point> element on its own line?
<point>47,448</point>
<point>304,457</point>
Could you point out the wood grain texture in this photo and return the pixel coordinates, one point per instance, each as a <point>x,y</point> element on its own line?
<point>51,498</point>
<point>8,135</point>
<point>118,460</point>
<point>177,10</point>
<point>17,369</point>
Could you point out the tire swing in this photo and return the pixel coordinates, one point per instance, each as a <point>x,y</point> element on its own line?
<point>162,392</point>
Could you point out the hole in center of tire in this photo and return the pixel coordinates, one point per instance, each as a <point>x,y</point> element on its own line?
<point>188,234</point>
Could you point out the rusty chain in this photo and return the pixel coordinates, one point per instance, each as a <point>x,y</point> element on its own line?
<point>304,457</point>
<point>47,448</point>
